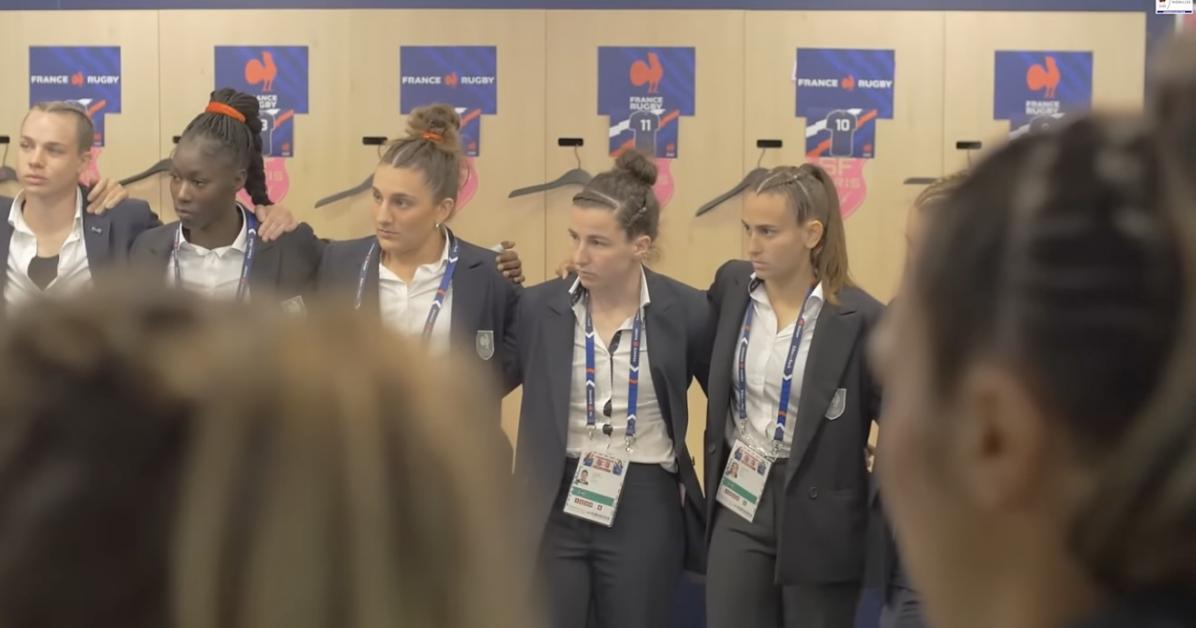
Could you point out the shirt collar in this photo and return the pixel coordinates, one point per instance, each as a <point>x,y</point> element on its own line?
<point>240,244</point>
<point>756,291</point>
<point>16,215</point>
<point>577,291</point>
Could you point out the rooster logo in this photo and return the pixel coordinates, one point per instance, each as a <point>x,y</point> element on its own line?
<point>1043,79</point>
<point>451,80</point>
<point>262,72</point>
<point>77,79</point>
<point>649,73</point>
<point>848,83</point>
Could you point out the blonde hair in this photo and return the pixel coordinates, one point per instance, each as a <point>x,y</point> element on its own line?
<point>85,130</point>
<point>317,484</point>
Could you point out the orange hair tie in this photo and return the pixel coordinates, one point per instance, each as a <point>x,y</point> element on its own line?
<point>432,136</point>
<point>225,110</point>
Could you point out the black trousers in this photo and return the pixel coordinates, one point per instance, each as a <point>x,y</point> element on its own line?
<point>741,588</point>
<point>624,576</point>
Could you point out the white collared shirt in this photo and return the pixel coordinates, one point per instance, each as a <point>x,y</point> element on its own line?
<point>768,348</point>
<point>405,306</point>
<point>74,272</point>
<point>211,272</point>
<point>652,442</point>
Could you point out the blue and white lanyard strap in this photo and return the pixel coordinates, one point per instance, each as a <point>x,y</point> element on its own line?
<point>633,375</point>
<point>441,291</point>
<point>246,265</point>
<point>745,334</point>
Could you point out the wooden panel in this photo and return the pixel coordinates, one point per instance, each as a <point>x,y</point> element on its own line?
<point>1117,40</point>
<point>907,146</point>
<point>132,135</point>
<point>691,249</point>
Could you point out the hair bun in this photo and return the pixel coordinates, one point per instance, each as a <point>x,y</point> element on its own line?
<point>438,122</point>
<point>638,165</point>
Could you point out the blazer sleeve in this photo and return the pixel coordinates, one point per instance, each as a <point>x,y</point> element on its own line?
<point>512,364</point>
<point>323,279</point>
<point>310,250</point>
<point>875,392</point>
<point>701,338</point>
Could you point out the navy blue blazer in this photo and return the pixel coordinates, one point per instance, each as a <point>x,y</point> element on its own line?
<point>285,267</point>
<point>483,313</point>
<point>108,238</point>
<point>825,515</point>
<point>677,330</point>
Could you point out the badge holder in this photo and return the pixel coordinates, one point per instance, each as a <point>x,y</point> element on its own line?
<point>598,481</point>
<point>744,479</point>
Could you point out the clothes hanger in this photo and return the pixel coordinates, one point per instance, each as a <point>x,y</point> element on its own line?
<point>763,145</point>
<point>576,176</point>
<point>163,165</point>
<point>6,171</point>
<point>369,140</point>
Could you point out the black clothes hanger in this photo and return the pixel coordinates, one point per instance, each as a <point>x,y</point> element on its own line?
<point>576,176</point>
<point>6,171</point>
<point>763,145</point>
<point>369,140</point>
<point>163,165</point>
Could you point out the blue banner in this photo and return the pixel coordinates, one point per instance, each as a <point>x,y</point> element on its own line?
<point>89,75</point>
<point>645,91</point>
<point>841,93</point>
<point>278,76</point>
<point>465,77</point>
<point>1034,90</point>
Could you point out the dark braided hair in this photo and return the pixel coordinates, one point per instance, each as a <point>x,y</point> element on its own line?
<point>626,189</point>
<point>1057,255</point>
<point>244,139</point>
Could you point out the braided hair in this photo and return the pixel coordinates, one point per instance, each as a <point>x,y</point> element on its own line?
<point>242,139</point>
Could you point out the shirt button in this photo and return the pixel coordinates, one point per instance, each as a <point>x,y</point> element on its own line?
<point>813,492</point>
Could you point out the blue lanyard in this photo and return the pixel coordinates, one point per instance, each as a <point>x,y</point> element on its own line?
<point>246,265</point>
<point>441,291</point>
<point>633,375</point>
<point>745,334</point>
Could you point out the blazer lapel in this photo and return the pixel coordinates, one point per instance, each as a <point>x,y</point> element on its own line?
<point>97,239</point>
<point>664,339</point>
<point>830,351</point>
<point>5,241</point>
<point>470,292</point>
<point>369,289</point>
<point>730,320</point>
<point>557,331</point>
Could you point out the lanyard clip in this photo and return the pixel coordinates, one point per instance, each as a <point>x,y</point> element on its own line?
<point>629,443</point>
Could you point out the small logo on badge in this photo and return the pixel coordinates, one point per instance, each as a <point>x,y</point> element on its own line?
<point>838,404</point>
<point>484,343</point>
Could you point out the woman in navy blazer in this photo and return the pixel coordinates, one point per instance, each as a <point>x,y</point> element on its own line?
<point>791,394</point>
<point>416,274</point>
<point>622,573</point>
